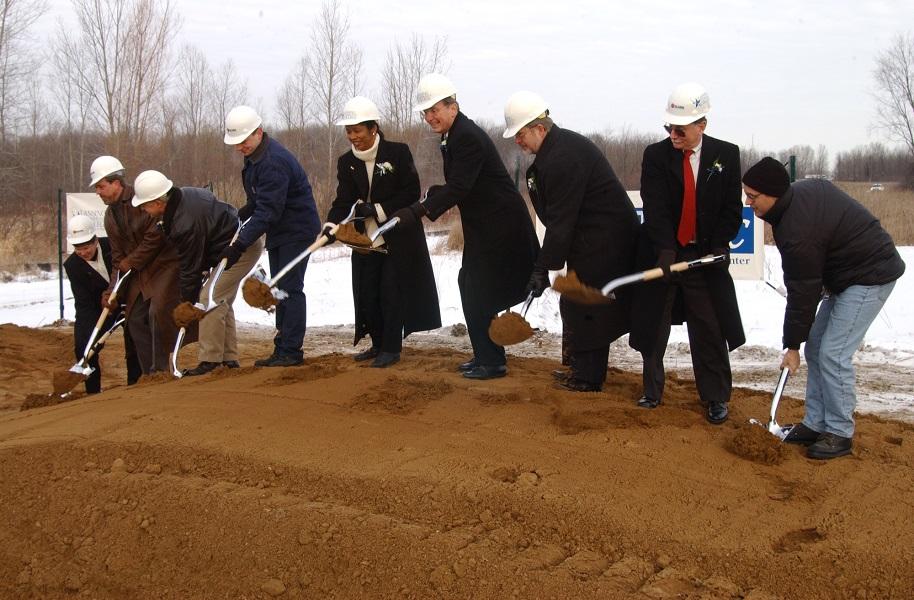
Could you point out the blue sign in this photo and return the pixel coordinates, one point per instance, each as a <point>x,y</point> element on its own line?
<point>744,242</point>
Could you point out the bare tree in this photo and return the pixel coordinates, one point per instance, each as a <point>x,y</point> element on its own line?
<point>406,64</point>
<point>228,92</point>
<point>195,85</point>
<point>294,99</point>
<point>17,62</point>
<point>894,76</point>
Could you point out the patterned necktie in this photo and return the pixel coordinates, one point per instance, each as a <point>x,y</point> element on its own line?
<point>687,221</point>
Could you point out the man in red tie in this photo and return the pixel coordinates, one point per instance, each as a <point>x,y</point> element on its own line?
<point>691,193</point>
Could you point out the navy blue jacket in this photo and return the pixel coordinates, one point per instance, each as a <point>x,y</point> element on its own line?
<point>280,202</point>
<point>826,240</point>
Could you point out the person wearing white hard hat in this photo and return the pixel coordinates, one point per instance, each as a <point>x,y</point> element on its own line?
<point>137,245</point>
<point>88,270</point>
<point>281,206</point>
<point>591,226</point>
<point>691,192</point>
<point>499,243</point>
<point>393,286</point>
<point>200,227</point>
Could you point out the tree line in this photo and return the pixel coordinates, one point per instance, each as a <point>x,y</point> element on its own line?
<point>86,92</point>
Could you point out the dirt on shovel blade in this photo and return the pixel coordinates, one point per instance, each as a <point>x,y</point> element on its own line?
<point>257,294</point>
<point>348,234</point>
<point>186,313</point>
<point>755,443</point>
<point>509,328</point>
<point>64,381</point>
<point>574,290</point>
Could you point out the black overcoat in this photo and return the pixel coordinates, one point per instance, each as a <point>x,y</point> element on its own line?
<point>718,196</point>
<point>394,185</point>
<point>591,225</point>
<point>499,243</point>
<point>87,286</point>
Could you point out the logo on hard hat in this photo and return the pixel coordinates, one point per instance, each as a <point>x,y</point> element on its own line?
<point>697,102</point>
<point>674,105</point>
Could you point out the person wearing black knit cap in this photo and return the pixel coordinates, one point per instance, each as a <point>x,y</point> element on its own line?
<point>837,257</point>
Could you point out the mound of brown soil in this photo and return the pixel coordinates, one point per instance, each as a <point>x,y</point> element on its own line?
<point>186,313</point>
<point>574,290</point>
<point>64,380</point>
<point>348,234</point>
<point>257,294</point>
<point>509,328</point>
<point>755,443</point>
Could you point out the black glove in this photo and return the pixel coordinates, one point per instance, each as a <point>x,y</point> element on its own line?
<point>539,281</point>
<point>432,190</point>
<point>231,254</point>
<point>245,212</point>
<point>410,215</point>
<point>366,209</point>
<point>327,232</point>
<point>664,260</point>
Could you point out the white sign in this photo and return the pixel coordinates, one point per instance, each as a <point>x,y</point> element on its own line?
<point>88,204</point>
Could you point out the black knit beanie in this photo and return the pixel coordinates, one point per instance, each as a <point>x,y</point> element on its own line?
<point>768,176</point>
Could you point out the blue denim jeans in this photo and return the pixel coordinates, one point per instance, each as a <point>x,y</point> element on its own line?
<point>291,312</point>
<point>841,323</point>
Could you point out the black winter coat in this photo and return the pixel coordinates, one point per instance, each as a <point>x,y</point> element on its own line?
<point>199,226</point>
<point>826,240</point>
<point>718,196</point>
<point>280,202</point>
<point>87,286</point>
<point>391,190</point>
<point>499,243</point>
<point>591,225</point>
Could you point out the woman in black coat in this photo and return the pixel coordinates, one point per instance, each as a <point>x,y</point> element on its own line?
<point>393,286</point>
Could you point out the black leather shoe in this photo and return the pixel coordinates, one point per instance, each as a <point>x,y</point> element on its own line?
<point>367,354</point>
<point>801,434</point>
<point>717,413</point>
<point>264,362</point>
<point>576,385</point>
<point>281,361</point>
<point>467,366</point>
<point>562,374</point>
<point>231,364</point>
<point>830,445</point>
<point>385,359</point>
<point>645,402</point>
<point>486,372</point>
<point>202,369</point>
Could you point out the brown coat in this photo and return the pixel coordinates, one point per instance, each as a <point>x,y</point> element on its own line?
<point>138,244</point>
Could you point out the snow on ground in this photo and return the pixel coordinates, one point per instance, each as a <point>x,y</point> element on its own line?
<point>35,302</point>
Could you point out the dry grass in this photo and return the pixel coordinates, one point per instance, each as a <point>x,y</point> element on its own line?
<point>894,207</point>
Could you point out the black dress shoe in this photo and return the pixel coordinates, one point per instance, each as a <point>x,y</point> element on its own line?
<point>486,372</point>
<point>718,413</point>
<point>385,359</point>
<point>367,354</point>
<point>562,374</point>
<point>645,402</point>
<point>202,369</point>
<point>801,434</point>
<point>467,366</point>
<point>282,360</point>
<point>830,445</point>
<point>576,385</point>
<point>231,364</point>
<point>264,362</point>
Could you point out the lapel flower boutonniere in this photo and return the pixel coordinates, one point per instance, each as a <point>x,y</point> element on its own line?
<point>531,184</point>
<point>384,168</point>
<point>716,167</point>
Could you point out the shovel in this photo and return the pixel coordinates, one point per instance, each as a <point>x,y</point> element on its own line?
<point>82,366</point>
<point>68,379</point>
<point>267,287</point>
<point>511,328</point>
<point>772,426</point>
<point>212,280</point>
<point>572,288</point>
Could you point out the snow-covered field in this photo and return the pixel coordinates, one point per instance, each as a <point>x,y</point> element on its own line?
<point>34,301</point>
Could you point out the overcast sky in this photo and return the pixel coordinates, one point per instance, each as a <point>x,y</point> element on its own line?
<point>778,73</point>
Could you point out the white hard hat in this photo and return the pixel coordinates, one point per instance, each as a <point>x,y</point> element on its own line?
<point>149,186</point>
<point>520,109</point>
<point>102,167</point>
<point>80,229</point>
<point>688,103</point>
<point>241,122</point>
<point>432,88</point>
<point>358,110</point>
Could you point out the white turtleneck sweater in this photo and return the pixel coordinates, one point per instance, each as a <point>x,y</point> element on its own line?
<point>368,157</point>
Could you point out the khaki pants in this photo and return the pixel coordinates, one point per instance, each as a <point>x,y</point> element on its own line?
<point>218,342</point>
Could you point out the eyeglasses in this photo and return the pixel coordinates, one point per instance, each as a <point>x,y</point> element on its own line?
<point>679,130</point>
<point>753,197</point>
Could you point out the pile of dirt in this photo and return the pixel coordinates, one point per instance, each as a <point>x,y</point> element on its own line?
<point>509,328</point>
<point>331,480</point>
<point>65,380</point>
<point>755,443</point>
<point>348,234</point>
<point>574,290</point>
<point>186,313</point>
<point>258,294</point>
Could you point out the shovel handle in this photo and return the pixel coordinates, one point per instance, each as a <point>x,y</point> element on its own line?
<point>778,391</point>
<point>657,272</point>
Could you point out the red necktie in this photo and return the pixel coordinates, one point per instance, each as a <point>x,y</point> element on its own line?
<point>687,221</point>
